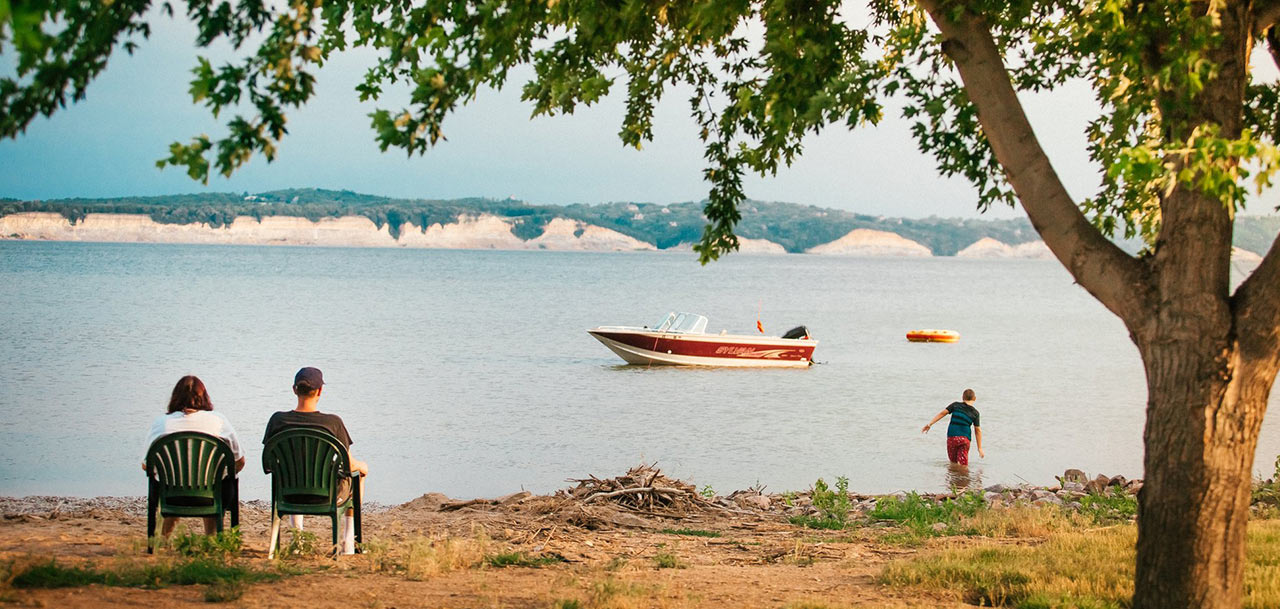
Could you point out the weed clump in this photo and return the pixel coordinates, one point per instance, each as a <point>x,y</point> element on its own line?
<point>666,560</point>
<point>520,559</point>
<point>692,532</point>
<point>833,506</point>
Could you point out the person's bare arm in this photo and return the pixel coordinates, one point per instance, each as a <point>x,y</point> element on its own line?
<point>977,435</point>
<point>937,418</point>
<point>357,465</point>
<point>239,464</point>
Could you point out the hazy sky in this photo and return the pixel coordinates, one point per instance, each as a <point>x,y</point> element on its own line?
<point>106,146</point>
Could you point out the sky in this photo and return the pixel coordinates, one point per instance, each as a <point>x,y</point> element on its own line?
<point>107,145</point>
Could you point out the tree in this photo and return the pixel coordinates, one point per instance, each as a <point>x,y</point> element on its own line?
<point>1183,130</point>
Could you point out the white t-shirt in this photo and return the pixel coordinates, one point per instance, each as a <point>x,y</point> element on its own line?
<point>204,421</point>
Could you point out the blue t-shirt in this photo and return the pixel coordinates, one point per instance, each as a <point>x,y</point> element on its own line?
<point>963,416</point>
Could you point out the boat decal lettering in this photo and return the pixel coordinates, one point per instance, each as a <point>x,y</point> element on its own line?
<point>752,352</point>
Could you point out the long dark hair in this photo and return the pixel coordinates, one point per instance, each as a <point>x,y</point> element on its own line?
<point>189,394</point>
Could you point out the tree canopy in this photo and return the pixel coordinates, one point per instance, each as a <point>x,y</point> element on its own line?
<point>763,75</point>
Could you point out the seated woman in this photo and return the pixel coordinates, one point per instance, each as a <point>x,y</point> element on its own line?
<point>191,410</point>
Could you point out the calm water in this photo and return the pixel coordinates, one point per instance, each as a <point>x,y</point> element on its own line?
<point>470,373</point>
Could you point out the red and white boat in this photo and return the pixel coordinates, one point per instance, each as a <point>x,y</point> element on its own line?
<point>681,339</point>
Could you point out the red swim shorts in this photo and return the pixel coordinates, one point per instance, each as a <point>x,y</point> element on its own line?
<point>958,449</point>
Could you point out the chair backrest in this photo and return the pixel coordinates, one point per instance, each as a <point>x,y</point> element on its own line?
<point>305,464</point>
<point>189,464</point>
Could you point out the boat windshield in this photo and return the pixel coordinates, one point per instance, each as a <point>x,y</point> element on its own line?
<point>690,323</point>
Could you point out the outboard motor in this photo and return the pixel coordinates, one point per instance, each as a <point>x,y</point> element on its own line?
<point>797,332</point>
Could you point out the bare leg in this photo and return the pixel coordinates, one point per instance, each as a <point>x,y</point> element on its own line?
<point>210,525</point>
<point>166,525</point>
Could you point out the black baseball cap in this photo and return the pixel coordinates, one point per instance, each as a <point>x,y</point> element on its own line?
<point>310,377</point>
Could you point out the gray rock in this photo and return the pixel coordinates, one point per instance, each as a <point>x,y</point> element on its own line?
<point>1074,487</point>
<point>996,488</point>
<point>1040,494</point>
<point>1117,481</point>
<point>939,526</point>
<point>1074,475</point>
<point>513,498</point>
<point>759,502</point>
<point>990,496</point>
<point>1050,500</point>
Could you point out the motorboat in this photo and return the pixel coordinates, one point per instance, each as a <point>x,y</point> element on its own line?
<point>681,339</point>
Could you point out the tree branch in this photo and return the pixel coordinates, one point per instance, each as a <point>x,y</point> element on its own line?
<point>1273,45</point>
<point>1110,275</point>
<point>1265,14</point>
<point>1257,305</point>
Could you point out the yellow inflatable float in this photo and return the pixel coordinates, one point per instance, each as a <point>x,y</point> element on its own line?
<point>933,336</point>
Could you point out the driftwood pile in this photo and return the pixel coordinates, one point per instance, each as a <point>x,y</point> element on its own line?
<point>643,488</point>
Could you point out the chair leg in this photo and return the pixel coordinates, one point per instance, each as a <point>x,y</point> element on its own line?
<point>275,533</point>
<point>151,524</point>
<point>337,548</point>
<point>358,491</point>
<point>233,502</point>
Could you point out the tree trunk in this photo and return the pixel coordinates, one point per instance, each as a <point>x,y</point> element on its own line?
<point>1204,412</point>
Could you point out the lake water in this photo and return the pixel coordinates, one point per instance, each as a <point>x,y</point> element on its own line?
<point>470,372</point>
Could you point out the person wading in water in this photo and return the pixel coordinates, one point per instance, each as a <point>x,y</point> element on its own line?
<point>963,416</point>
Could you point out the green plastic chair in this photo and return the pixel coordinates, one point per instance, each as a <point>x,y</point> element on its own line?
<point>191,474</point>
<point>305,465</point>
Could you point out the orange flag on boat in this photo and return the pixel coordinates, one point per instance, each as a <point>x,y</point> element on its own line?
<point>760,326</point>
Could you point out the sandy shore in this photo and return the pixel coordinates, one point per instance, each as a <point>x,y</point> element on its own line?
<point>610,549</point>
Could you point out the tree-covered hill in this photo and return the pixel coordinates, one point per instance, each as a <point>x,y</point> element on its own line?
<point>795,227</point>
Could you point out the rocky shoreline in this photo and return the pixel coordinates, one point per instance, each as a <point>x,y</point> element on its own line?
<point>1073,486</point>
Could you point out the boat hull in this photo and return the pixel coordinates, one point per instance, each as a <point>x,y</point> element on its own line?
<point>654,348</point>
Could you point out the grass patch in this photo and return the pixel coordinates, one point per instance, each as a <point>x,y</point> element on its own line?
<point>692,532</point>
<point>1091,569</point>
<point>918,515</point>
<point>665,560</point>
<point>225,591</point>
<point>426,557</point>
<point>301,544</point>
<point>520,559</point>
<point>51,574</point>
<point>1109,507</point>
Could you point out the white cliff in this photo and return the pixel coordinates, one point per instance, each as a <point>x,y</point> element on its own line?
<point>468,232</point>
<point>987,247</point>
<point>566,234</point>
<point>866,242</point>
<point>745,246</point>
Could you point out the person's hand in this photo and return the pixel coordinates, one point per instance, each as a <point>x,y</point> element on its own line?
<point>925,429</point>
<point>982,454</point>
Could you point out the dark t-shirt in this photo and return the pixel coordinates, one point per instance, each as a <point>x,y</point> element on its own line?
<point>331,423</point>
<point>962,417</point>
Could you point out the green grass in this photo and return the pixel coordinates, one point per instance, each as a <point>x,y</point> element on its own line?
<point>520,559</point>
<point>664,560</point>
<point>301,544</point>
<point>193,560</point>
<point>1109,507</point>
<point>50,574</point>
<point>221,546</point>
<point>692,532</point>
<point>917,515</point>
<point>1071,568</point>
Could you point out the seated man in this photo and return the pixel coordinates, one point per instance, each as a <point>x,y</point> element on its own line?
<point>308,384</point>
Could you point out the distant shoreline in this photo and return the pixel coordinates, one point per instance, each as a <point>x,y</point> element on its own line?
<point>483,232</point>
